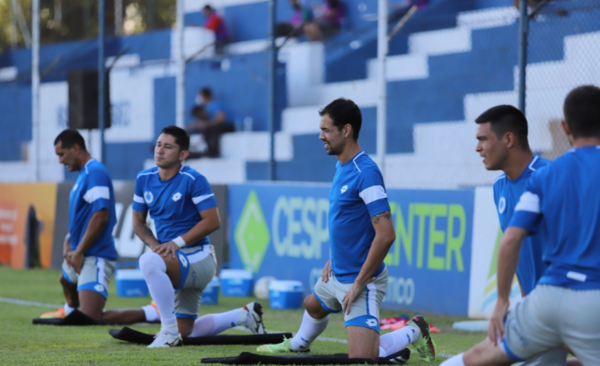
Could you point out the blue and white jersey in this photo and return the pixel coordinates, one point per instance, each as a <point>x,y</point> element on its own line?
<point>506,196</point>
<point>563,199</point>
<point>174,204</point>
<point>357,193</point>
<point>92,192</point>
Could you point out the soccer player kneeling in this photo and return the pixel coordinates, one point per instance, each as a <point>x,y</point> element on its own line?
<point>182,261</point>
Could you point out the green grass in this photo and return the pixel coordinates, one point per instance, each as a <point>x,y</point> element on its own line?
<point>22,343</point>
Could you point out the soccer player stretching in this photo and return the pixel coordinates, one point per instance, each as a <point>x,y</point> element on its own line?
<point>563,200</point>
<point>361,233</point>
<point>182,261</point>
<point>89,251</point>
<point>502,135</point>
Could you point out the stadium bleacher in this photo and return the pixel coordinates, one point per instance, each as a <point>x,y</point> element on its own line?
<point>453,60</point>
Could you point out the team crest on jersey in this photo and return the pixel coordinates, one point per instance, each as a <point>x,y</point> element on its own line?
<point>183,260</point>
<point>344,188</point>
<point>148,197</point>
<point>176,197</point>
<point>502,205</point>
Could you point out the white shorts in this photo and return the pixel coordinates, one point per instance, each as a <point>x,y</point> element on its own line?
<point>95,275</point>
<point>551,316</point>
<point>198,267</point>
<point>364,311</point>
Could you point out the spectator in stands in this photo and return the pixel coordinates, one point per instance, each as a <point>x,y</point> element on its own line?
<point>215,23</point>
<point>302,15</point>
<point>211,121</point>
<point>328,23</point>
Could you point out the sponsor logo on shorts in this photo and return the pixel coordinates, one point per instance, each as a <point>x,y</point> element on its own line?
<point>176,197</point>
<point>148,197</point>
<point>99,288</point>
<point>344,188</point>
<point>183,260</point>
<point>371,322</point>
<point>502,205</point>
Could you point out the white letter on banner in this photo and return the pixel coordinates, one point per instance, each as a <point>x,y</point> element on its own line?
<point>322,224</point>
<point>309,249</point>
<point>280,208</point>
<point>294,227</point>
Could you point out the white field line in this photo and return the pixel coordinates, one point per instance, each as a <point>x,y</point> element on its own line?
<point>46,305</point>
<point>28,303</point>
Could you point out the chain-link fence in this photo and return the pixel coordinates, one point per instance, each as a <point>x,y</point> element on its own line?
<point>563,53</point>
<point>474,66</point>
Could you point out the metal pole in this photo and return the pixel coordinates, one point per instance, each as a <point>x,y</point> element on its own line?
<point>382,50</point>
<point>118,17</point>
<point>101,76</point>
<point>523,34</point>
<point>35,89</point>
<point>272,88</point>
<point>150,14</point>
<point>13,24</point>
<point>180,78</point>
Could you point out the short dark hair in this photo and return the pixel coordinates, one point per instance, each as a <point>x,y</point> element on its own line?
<point>206,92</point>
<point>342,112</point>
<point>70,137</point>
<point>582,111</point>
<point>506,118</point>
<point>181,137</point>
<point>208,8</point>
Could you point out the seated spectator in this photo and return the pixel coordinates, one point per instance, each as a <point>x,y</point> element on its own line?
<point>328,23</point>
<point>215,23</point>
<point>210,120</point>
<point>399,10</point>
<point>302,15</point>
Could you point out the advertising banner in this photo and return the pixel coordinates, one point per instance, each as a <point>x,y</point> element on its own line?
<point>282,231</point>
<point>15,203</point>
<point>486,244</point>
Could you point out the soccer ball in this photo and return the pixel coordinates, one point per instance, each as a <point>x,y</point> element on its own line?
<point>261,288</point>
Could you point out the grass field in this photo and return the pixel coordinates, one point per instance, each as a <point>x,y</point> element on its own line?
<point>22,343</point>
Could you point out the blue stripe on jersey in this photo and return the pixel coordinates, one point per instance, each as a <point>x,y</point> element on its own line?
<point>357,193</point>
<point>174,204</point>
<point>92,192</point>
<point>569,214</point>
<point>506,196</point>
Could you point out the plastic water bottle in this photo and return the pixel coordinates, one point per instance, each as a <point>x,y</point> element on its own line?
<point>248,124</point>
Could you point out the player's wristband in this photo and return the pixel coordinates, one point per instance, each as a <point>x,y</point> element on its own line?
<point>179,241</point>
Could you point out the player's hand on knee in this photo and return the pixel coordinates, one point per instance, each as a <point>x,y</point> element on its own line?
<point>496,328</point>
<point>326,273</point>
<point>166,248</point>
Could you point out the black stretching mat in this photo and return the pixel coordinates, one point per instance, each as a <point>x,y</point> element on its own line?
<point>247,358</point>
<point>129,335</point>
<point>75,318</point>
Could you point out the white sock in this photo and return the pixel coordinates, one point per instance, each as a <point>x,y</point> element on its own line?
<point>213,324</point>
<point>309,331</point>
<point>68,309</point>
<point>151,313</point>
<point>154,270</point>
<point>398,340</point>
<point>454,361</point>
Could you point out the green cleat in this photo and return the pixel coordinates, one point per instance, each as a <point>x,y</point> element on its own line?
<point>424,344</point>
<point>283,347</point>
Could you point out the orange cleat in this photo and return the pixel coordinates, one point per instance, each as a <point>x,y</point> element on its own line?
<point>59,313</point>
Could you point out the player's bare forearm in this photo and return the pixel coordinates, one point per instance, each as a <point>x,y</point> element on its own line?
<point>508,259</point>
<point>97,223</point>
<point>141,229</point>
<point>384,238</point>
<point>211,221</point>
